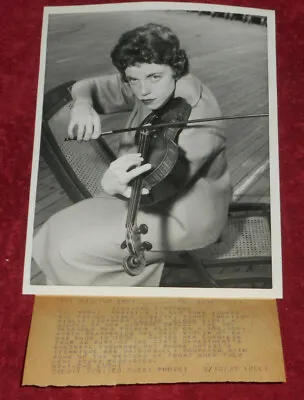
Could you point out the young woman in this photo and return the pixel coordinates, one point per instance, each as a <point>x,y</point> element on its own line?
<point>81,245</point>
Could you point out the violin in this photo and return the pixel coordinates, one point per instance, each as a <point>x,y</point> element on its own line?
<point>168,172</point>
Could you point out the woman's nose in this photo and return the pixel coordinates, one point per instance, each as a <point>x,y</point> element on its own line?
<point>145,89</point>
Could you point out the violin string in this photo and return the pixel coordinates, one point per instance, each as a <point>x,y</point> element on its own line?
<point>137,185</point>
<point>136,188</point>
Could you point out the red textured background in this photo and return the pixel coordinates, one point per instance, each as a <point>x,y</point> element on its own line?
<point>20,29</point>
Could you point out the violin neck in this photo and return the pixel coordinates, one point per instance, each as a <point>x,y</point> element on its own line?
<point>137,183</point>
<point>134,202</point>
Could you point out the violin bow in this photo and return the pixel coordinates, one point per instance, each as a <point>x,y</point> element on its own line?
<point>180,123</point>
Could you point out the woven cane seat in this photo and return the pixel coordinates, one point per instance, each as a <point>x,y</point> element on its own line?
<point>86,159</point>
<point>242,238</point>
<point>241,258</point>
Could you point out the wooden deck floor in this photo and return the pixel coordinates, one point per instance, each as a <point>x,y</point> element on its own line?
<point>228,56</point>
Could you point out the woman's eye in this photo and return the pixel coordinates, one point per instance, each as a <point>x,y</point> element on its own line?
<point>155,78</point>
<point>132,81</point>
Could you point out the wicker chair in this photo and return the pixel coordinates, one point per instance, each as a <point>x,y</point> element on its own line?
<point>242,256</point>
<point>78,168</point>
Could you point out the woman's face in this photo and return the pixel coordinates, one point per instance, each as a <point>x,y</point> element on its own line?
<point>152,84</point>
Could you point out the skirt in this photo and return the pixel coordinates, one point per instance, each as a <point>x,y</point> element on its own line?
<point>81,245</point>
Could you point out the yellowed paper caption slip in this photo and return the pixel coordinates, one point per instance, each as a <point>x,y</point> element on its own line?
<point>108,341</point>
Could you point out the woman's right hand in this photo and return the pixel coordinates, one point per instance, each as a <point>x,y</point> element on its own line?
<point>117,177</point>
<point>86,120</point>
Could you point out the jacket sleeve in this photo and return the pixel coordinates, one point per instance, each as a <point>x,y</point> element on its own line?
<point>203,145</point>
<point>108,93</point>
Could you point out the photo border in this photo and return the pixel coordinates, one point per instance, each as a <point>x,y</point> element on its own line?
<point>277,290</point>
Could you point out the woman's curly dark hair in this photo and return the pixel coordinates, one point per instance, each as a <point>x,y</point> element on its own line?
<point>151,43</point>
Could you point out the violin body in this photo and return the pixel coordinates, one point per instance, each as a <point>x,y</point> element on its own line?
<point>170,168</point>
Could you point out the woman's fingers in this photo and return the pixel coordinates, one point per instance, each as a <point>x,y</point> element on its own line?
<point>128,167</point>
<point>127,192</point>
<point>136,172</point>
<point>80,130</point>
<point>131,160</point>
<point>117,177</point>
<point>123,160</point>
<point>71,129</point>
<point>88,129</point>
<point>96,127</point>
<point>85,122</point>
<point>124,163</point>
<point>85,129</point>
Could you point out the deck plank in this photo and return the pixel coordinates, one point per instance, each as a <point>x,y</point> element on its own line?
<point>247,162</point>
<point>258,191</point>
<point>47,185</point>
<point>45,213</point>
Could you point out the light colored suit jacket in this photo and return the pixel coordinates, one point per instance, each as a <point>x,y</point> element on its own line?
<point>201,207</point>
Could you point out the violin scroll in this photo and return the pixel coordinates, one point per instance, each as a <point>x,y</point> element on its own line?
<point>135,263</point>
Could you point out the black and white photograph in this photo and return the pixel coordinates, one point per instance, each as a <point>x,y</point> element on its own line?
<point>155,164</point>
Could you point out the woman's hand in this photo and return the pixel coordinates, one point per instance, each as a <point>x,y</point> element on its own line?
<point>117,177</point>
<point>87,121</point>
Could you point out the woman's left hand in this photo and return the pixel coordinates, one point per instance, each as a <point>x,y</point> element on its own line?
<point>117,178</point>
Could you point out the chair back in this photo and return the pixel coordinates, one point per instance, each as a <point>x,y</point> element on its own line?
<point>78,167</point>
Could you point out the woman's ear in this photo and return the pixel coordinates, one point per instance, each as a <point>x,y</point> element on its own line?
<point>189,88</point>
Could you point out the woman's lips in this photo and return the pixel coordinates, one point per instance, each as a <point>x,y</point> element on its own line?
<point>148,101</point>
